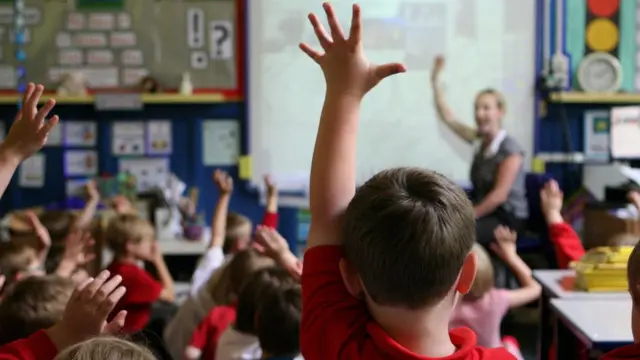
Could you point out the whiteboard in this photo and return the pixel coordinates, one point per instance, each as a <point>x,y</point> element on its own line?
<point>486,46</point>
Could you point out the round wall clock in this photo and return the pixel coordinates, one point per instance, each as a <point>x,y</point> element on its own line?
<point>600,72</point>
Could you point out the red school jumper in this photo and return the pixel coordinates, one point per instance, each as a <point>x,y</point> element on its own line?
<point>36,347</point>
<point>206,336</point>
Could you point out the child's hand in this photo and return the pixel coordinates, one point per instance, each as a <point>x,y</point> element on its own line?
<point>277,248</point>
<point>438,66</point>
<point>634,198</point>
<point>505,244</point>
<point>41,232</point>
<point>87,310</point>
<point>29,131</point>
<point>92,190</point>
<point>78,248</point>
<point>272,190</point>
<point>346,69</point>
<point>223,181</point>
<point>551,198</point>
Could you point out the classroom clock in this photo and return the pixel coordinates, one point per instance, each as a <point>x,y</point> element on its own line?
<point>600,72</point>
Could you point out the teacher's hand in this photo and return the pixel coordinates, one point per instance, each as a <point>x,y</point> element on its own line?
<point>438,66</point>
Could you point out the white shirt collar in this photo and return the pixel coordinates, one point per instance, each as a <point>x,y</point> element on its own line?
<point>493,147</point>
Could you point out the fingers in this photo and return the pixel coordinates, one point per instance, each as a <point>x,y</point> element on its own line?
<point>355,33</point>
<point>321,33</point>
<point>27,93</point>
<point>48,126</point>
<point>116,324</point>
<point>336,30</point>
<point>90,291</point>
<point>77,292</point>
<point>32,102</point>
<point>105,308</point>
<point>313,54</point>
<point>45,109</point>
<point>107,288</point>
<point>386,70</point>
<point>18,116</point>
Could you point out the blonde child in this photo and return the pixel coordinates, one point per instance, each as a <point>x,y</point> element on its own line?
<point>105,347</point>
<point>132,239</point>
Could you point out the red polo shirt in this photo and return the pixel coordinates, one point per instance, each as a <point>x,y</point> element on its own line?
<point>206,336</point>
<point>337,326</point>
<point>36,347</point>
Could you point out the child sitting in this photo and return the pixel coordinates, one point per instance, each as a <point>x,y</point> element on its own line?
<point>18,261</point>
<point>484,306</point>
<point>278,324</point>
<point>33,304</point>
<point>132,239</point>
<point>196,311</point>
<point>384,264</point>
<point>240,340</point>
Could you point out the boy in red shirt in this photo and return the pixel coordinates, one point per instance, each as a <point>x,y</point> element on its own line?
<point>385,264</point>
<point>132,240</point>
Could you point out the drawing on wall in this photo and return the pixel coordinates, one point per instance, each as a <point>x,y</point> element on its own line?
<point>128,138</point>
<point>81,163</point>
<point>80,133</point>
<point>159,137</point>
<point>75,187</point>
<point>148,173</point>
<point>32,172</point>
<point>220,142</point>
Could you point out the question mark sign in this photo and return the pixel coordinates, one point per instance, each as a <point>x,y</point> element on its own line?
<point>223,33</point>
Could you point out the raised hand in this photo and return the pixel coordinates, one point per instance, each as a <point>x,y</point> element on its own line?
<point>92,190</point>
<point>634,197</point>
<point>438,66</point>
<point>505,244</point>
<point>29,130</point>
<point>344,64</point>
<point>41,232</point>
<point>78,248</point>
<point>270,186</point>
<point>551,197</point>
<point>277,248</point>
<point>223,181</point>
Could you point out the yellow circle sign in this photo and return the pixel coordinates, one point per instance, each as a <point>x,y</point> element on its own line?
<point>602,35</point>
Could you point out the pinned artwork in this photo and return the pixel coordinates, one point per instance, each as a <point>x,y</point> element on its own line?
<point>159,137</point>
<point>148,173</point>
<point>80,163</point>
<point>221,142</point>
<point>80,133</point>
<point>55,135</point>
<point>128,138</point>
<point>32,172</point>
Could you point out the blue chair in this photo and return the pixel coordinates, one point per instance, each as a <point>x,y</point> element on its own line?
<point>535,238</point>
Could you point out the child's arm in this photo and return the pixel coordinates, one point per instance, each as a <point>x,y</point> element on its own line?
<point>27,134</point>
<point>271,212</point>
<point>77,253</point>
<point>567,244</point>
<point>505,248</point>
<point>349,76</point>
<point>86,216</point>
<point>199,339</point>
<point>214,258</point>
<point>277,248</point>
<point>168,286</point>
<point>42,233</point>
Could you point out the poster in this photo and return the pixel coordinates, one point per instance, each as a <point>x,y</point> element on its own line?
<point>55,135</point>
<point>32,172</point>
<point>76,187</point>
<point>81,163</point>
<point>80,133</point>
<point>596,135</point>
<point>159,137</point>
<point>625,132</point>
<point>220,142</point>
<point>128,138</point>
<point>149,173</point>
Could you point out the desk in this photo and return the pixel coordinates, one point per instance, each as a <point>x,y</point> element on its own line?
<point>551,289</point>
<point>599,324</point>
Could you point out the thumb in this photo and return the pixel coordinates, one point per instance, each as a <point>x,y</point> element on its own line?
<point>386,70</point>
<point>115,325</point>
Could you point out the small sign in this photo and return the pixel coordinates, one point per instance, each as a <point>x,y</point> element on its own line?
<point>118,102</point>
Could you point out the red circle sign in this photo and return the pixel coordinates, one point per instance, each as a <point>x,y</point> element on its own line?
<point>603,8</point>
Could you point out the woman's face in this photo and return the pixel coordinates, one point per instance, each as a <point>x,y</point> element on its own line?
<point>488,114</point>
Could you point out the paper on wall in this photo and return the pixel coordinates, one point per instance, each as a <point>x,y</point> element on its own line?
<point>75,187</point>
<point>220,142</point>
<point>32,172</point>
<point>159,137</point>
<point>128,138</point>
<point>55,135</point>
<point>81,163</point>
<point>149,173</point>
<point>80,133</point>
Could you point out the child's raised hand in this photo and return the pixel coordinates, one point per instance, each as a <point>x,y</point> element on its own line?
<point>270,186</point>
<point>551,197</point>
<point>78,248</point>
<point>223,181</point>
<point>505,244</point>
<point>92,190</point>
<point>87,310</point>
<point>30,130</point>
<point>41,232</point>
<point>273,243</point>
<point>438,66</point>
<point>346,69</point>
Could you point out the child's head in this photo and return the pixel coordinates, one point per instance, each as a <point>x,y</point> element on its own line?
<point>130,235</point>
<point>484,280</point>
<point>225,288</point>
<point>260,286</point>
<point>408,234</point>
<point>32,304</point>
<point>278,324</point>
<point>105,348</point>
<point>18,260</point>
<point>623,239</point>
<point>238,235</point>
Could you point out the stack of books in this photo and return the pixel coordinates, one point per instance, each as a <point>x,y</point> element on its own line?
<point>603,269</point>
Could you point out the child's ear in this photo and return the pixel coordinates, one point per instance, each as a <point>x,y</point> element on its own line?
<point>467,274</point>
<point>351,279</point>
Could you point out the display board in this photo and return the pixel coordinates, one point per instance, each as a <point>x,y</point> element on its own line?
<point>116,42</point>
<point>486,46</point>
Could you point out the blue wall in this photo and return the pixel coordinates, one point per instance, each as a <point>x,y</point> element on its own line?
<point>186,159</point>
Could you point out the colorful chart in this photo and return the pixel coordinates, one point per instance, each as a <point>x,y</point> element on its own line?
<point>602,33</point>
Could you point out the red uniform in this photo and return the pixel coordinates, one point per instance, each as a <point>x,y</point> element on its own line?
<point>206,336</point>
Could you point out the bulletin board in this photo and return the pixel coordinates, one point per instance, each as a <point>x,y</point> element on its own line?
<point>116,42</point>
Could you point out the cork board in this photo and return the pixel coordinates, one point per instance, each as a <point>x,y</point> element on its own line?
<point>116,42</point>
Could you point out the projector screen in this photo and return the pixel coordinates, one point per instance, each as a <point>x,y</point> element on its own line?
<point>489,45</point>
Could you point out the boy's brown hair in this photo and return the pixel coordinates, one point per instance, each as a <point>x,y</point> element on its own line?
<point>15,258</point>
<point>237,226</point>
<point>32,304</point>
<point>278,325</point>
<point>407,232</point>
<point>484,280</point>
<point>225,286</point>
<point>127,228</point>
<point>261,285</point>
